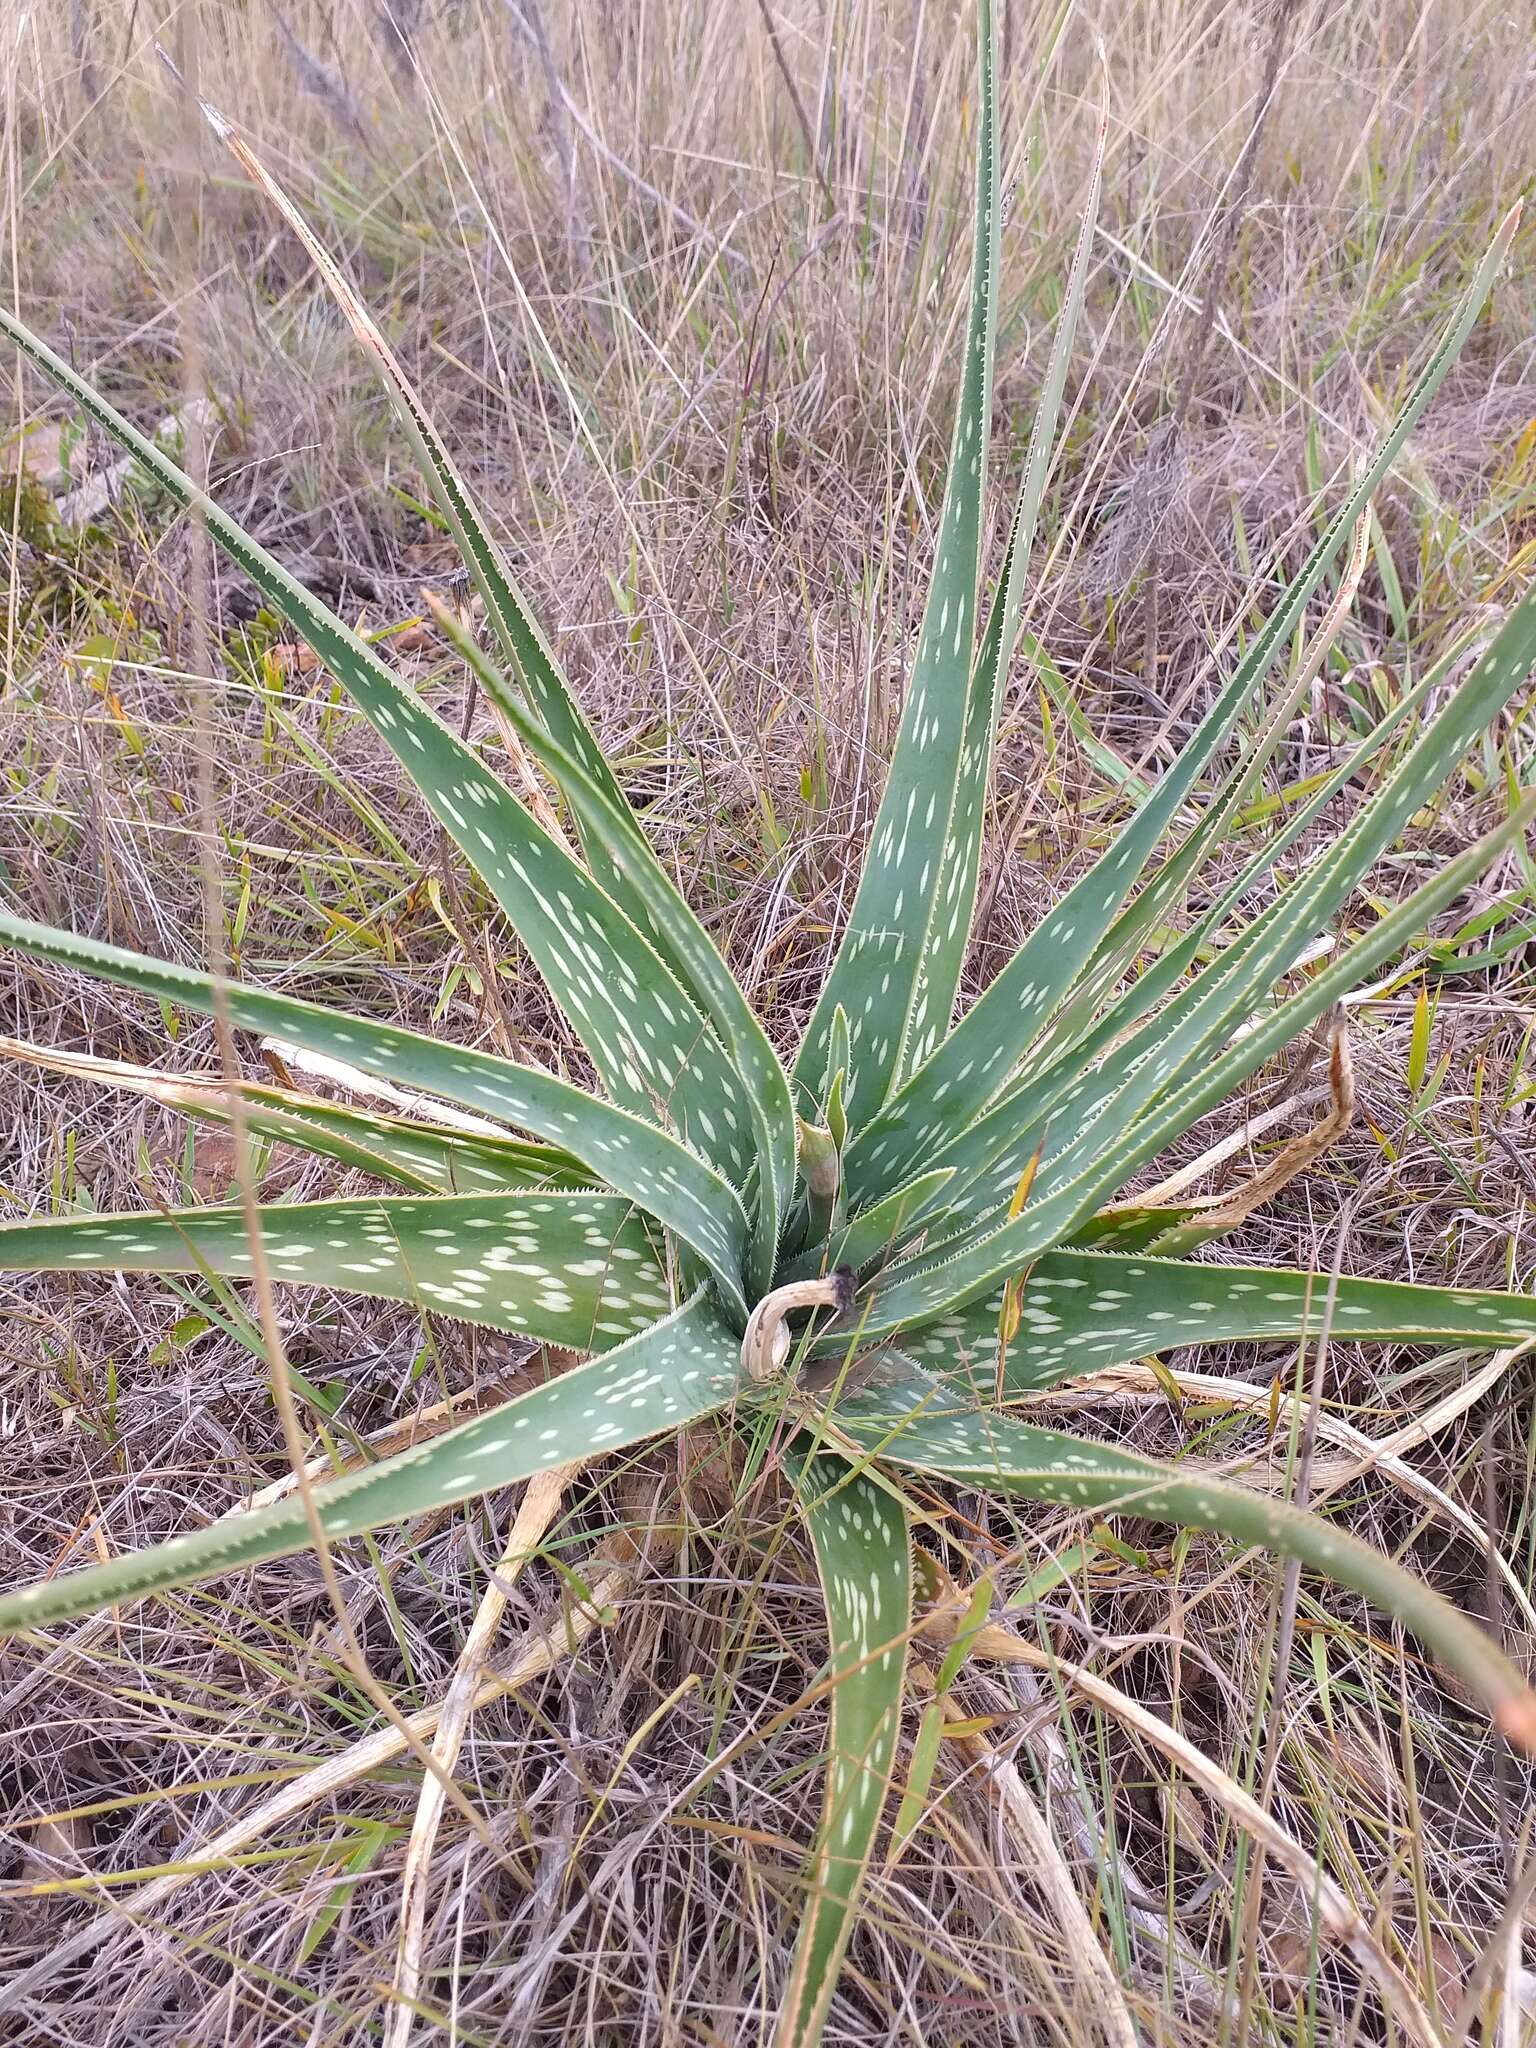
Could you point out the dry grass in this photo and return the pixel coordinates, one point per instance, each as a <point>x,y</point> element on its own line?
<point>695,350</point>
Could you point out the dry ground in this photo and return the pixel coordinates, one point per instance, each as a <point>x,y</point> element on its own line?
<point>681,280</point>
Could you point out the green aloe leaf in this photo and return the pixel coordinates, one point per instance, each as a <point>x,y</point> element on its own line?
<point>1081,1311</point>
<point>686,941</point>
<point>918,1290</point>
<point>880,961</point>
<point>615,845</point>
<point>1131,932</point>
<point>1155,901</point>
<point>413,1154</point>
<point>989,1154</point>
<point>632,1156</point>
<point>1227,992</point>
<point>876,1231</point>
<point>978,1056</point>
<point>864,1555</point>
<point>908,1419</point>
<point>655,1053</point>
<point>954,894</point>
<point>1095,1109</point>
<point>572,1269</point>
<point>679,1370</point>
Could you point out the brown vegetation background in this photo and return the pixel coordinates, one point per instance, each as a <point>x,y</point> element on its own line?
<point>682,281</point>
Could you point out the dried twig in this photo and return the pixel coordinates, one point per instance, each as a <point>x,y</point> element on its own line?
<point>540,1504</point>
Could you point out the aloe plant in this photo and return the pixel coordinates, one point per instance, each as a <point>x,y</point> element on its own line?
<point>916,1222</point>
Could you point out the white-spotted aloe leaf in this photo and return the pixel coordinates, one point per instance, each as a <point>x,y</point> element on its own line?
<point>1090,1114</point>
<point>630,1155</point>
<point>954,896</point>
<point>681,1369</point>
<point>1080,1311</point>
<point>578,1270</point>
<point>523,642</point>
<point>739,1030</point>
<point>1135,930</point>
<point>875,1232</point>
<point>399,1149</point>
<point>879,963</point>
<point>987,1157</point>
<point>1131,933</point>
<point>908,1419</point>
<point>1226,993</point>
<point>616,847</point>
<point>977,1057</point>
<point>920,1289</point>
<point>429,1158</point>
<point>864,1555</point>
<point>656,1054</point>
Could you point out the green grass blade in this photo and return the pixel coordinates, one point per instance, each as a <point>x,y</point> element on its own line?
<point>876,972</point>
<point>687,942</point>
<point>680,1370</point>
<point>978,1056</point>
<point>632,1156</point>
<point>572,1269</point>
<point>656,1055</point>
<point>1122,779</point>
<point>954,894</point>
<point>1082,1311</point>
<point>918,1290</point>
<point>864,1555</point>
<point>419,1155</point>
<point>911,1421</point>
